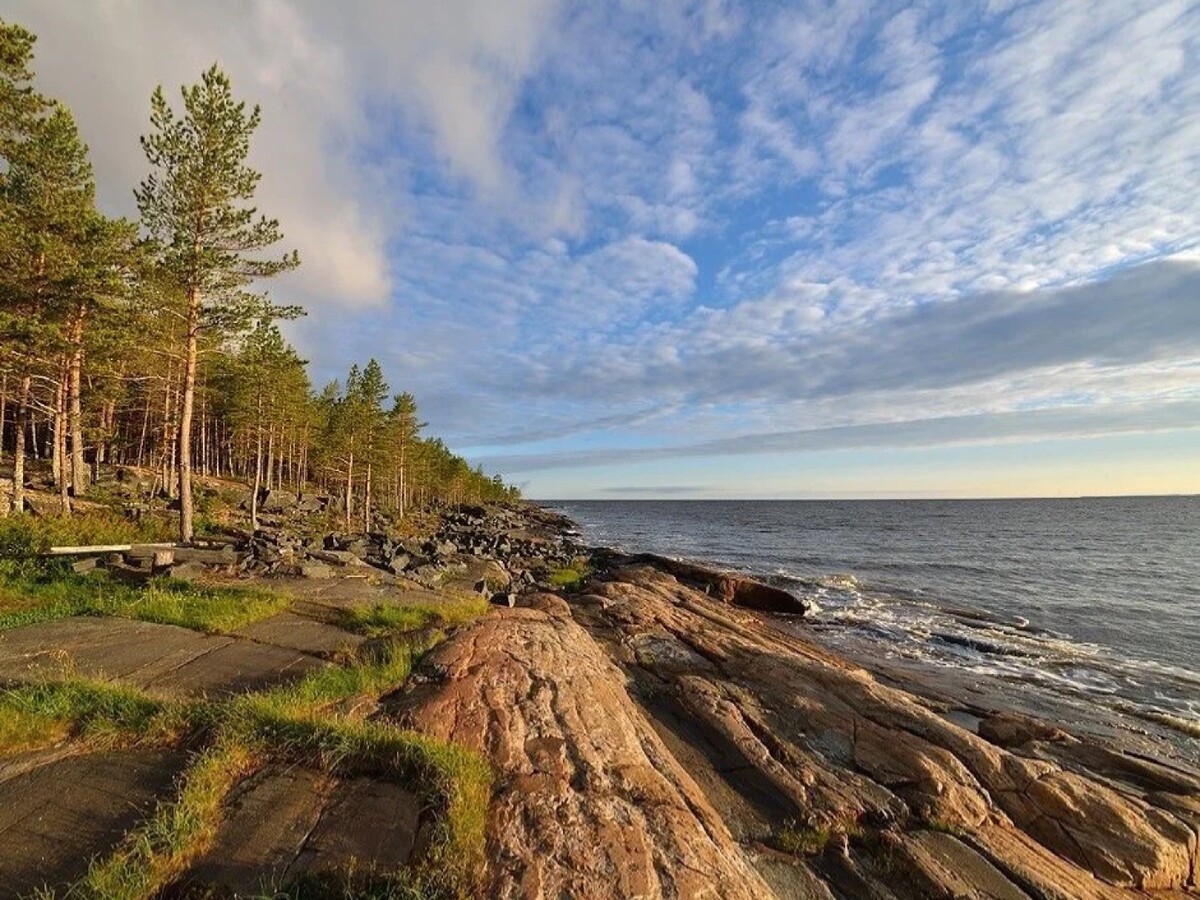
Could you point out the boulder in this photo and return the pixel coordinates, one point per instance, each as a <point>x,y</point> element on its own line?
<point>278,501</point>
<point>310,503</point>
<point>315,570</point>
<point>728,587</point>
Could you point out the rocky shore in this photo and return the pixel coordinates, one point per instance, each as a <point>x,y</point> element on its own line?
<point>652,728</point>
<point>656,733</point>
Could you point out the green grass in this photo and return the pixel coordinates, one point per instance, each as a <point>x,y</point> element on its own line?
<point>176,834</point>
<point>570,579</point>
<point>382,619</point>
<point>801,840</point>
<point>24,534</point>
<point>96,712</point>
<point>304,723</point>
<point>54,592</point>
<point>386,669</point>
<point>291,725</point>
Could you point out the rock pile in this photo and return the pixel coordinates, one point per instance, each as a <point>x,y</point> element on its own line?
<point>495,549</point>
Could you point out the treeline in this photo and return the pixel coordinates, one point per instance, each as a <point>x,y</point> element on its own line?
<point>150,343</point>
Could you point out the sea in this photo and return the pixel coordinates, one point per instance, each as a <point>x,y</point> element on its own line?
<point>1093,603</point>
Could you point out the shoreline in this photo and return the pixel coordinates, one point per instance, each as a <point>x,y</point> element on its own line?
<point>691,665</point>
<point>909,630</point>
<point>563,720</point>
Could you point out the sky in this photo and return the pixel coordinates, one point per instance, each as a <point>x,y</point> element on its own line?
<point>717,249</point>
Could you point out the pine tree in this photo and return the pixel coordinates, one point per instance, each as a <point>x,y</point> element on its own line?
<point>47,199</point>
<point>195,204</point>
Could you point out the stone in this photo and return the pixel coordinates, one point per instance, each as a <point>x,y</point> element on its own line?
<point>85,565</point>
<point>57,815</point>
<point>1009,729</point>
<point>164,660</point>
<point>844,752</point>
<point>310,503</point>
<point>315,570</point>
<point>588,802</point>
<point>728,587</point>
<point>278,501</point>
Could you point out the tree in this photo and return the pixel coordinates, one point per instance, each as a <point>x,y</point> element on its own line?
<point>403,429</point>
<point>47,201</point>
<point>195,204</point>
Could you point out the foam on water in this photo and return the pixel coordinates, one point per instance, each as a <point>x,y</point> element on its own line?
<point>1092,602</point>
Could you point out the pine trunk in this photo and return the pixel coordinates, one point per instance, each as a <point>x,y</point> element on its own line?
<point>22,426</point>
<point>79,474</point>
<point>185,418</point>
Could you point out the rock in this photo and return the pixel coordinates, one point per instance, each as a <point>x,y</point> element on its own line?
<point>337,557</point>
<point>1013,730</point>
<point>150,558</point>
<point>816,740</point>
<point>315,570</point>
<point>310,503</point>
<point>186,571</point>
<point>42,506</point>
<point>589,802</point>
<point>398,563</point>
<point>728,587</point>
<point>226,556</point>
<point>503,599</point>
<point>278,501</point>
<point>84,565</point>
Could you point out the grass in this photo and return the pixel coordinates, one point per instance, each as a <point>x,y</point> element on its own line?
<point>24,534</point>
<point>177,833</point>
<point>291,725</point>
<point>801,840</point>
<point>570,579</point>
<point>29,595</point>
<point>386,669</point>
<point>303,723</point>
<point>96,712</point>
<point>384,619</point>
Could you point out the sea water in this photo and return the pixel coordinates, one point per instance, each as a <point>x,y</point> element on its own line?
<point>1091,600</point>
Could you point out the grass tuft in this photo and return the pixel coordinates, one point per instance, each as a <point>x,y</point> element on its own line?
<point>382,619</point>
<point>570,579</point>
<point>29,597</point>
<point>801,840</point>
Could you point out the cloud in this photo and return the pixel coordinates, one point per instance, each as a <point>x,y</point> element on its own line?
<point>1036,425</point>
<point>327,79</point>
<point>609,231</point>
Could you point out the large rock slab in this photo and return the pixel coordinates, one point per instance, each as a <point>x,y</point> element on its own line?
<point>161,659</point>
<point>55,817</point>
<point>590,802</point>
<point>284,823</point>
<point>303,634</point>
<point>856,757</point>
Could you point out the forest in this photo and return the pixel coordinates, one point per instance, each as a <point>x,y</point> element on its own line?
<point>153,343</point>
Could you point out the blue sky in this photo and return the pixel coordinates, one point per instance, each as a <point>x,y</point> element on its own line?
<point>721,249</point>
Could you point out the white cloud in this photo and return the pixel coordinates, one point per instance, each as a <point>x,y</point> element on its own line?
<point>316,69</point>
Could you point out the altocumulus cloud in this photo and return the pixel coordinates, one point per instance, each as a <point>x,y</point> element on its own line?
<point>596,232</point>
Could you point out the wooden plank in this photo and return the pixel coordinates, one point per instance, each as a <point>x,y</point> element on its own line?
<point>106,548</point>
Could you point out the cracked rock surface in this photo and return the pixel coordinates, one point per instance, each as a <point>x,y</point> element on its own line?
<point>651,740</point>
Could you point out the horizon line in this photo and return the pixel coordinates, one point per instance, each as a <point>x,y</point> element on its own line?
<point>873,499</point>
